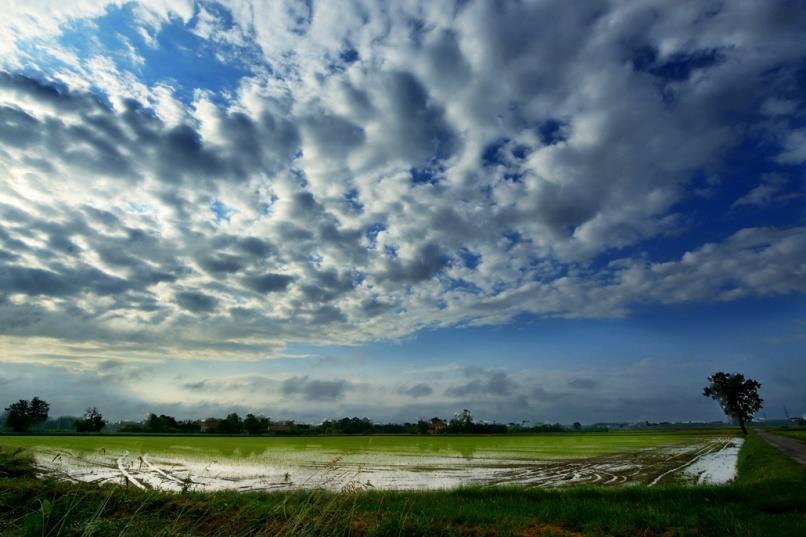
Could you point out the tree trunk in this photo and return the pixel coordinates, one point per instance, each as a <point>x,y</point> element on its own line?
<point>741,424</point>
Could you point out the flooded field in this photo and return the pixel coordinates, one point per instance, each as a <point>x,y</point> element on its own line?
<point>341,463</point>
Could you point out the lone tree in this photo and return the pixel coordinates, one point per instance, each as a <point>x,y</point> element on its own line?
<point>738,397</point>
<point>91,422</point>
<point>22,414</point>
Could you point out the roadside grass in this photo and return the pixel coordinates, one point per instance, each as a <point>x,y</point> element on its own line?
<point>797,435</point>
<point>768,498</point>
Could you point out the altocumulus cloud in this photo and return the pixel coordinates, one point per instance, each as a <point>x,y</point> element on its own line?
<point>366,171</point>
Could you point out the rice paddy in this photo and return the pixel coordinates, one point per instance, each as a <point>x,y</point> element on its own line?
<point>198,463</point>
<point>672,496</point>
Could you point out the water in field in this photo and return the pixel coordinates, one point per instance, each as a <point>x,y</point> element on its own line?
<point>347,463</point>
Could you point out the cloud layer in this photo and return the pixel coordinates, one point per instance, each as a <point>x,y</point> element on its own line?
<point>378,170</point>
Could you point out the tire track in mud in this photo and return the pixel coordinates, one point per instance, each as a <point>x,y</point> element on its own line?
<point>699,454</point>
<point>163,473</point>
<point>74,467</point>
<point>611,470</point>
<point>649,466</point>
<point>126,474</point>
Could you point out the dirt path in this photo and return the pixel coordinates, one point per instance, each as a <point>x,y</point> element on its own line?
<point>794,448</point>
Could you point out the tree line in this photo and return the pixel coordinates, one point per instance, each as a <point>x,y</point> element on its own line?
<point>233,423</point>
<point>22,415</point>
<point>737,396</point>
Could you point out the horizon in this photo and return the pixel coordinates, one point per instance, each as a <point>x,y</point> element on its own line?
<point>537,211</point>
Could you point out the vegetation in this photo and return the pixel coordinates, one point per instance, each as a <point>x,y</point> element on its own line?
<point>797,435</point>
<point>542,446</point>
<point>769,498</point>
<point>255,424</point>
<point>162,424</point>
<point>22,414</point>
<point>91,422</point>
<point>738,397</point>
<point>462,423</point>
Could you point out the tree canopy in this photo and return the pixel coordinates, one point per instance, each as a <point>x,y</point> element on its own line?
<point>92,421</point>
<point>21,415</point>
<point>737,396</point>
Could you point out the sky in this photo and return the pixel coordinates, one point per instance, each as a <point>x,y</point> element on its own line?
<point>538,210</point>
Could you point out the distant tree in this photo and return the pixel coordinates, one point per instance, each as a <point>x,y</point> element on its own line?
<point>39,410</point>
<point>21,415</point>
<point>92,421</point>
<point>17,416</point>
<point>462,422</point>
<point>577,426</point>
<point>232,424</point>
<point>251,424</point>
<point>255,424</point>
<point>738,397</point>
<point>161,424</point>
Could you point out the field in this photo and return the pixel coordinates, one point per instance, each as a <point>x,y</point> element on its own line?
<point>797,435</point>
<point>767,498</point>
<point>200,463</point>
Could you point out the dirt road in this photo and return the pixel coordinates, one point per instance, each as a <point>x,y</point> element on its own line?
<point>794,448</point>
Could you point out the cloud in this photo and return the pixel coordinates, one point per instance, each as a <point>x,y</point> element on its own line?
<point>582,383</point>
<point>384,169</point>
<point>196,302</point>
<point>314,389</point>
<point>771,190</point>
<point>420,389</point>
<point>268,283</point>
<point>793,148</point>
<point>484,383</point>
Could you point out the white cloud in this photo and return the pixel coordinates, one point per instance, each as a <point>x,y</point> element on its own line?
<point>771,190</point>
<point>794,148</point>
<point>336,194</point>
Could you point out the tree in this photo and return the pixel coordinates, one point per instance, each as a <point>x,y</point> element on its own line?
<point>255,425</point>
<point>92,421</point>
<point>462,422</point>
<point>22,414</point>
<point>39,410</point>
<point>161,424</point>
<point>577,426</point>
<point>738,397</point>
<point>17,416</point>
<point>232,424</point>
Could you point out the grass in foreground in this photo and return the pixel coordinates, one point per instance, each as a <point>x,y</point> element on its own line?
<point>769,498</point>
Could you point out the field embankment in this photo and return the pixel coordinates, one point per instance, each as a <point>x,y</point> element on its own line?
<point>796,434</point>
<point>767,498</point>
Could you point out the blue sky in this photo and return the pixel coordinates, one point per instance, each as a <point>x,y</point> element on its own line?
<point>537,210</point>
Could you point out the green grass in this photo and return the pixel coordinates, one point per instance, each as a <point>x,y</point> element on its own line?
<point>797,435</point>
<point>539,446</point>
<point>768,498</point>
